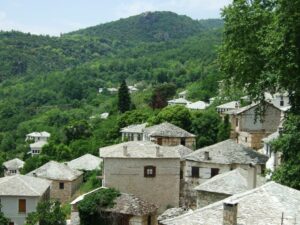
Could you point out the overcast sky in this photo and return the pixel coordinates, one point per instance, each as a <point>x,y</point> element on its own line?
<point>60,16</point>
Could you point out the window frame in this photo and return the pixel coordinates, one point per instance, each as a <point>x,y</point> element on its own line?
<point>61,185</point>
<point>146,174</point>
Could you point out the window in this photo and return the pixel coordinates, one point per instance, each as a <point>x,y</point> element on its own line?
<point>159,141</point>
<point>195,172</point>
<point>149,171</point>
<point>61,185</point>
<point>214,172</point>
<point>182,141</point>
<point>246,139</point>
<point>11,223</point>
<point>139,137</point>
<point>22,205</point>
<point>149,220</point>
<point>237,122</point>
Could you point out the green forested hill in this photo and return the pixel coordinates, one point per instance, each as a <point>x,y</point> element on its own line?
<point>51,83</point>
<point>150,26</point>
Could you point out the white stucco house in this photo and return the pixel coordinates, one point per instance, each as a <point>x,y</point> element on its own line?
<point>13,167</point>
<point>274,157</point>
<point>221,109</point>
<point>183,94</point>
<point>19,196</point>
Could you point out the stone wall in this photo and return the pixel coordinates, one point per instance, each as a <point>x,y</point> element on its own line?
<point>127,175</point>
<point>65,194</point>
<point>205,198</point>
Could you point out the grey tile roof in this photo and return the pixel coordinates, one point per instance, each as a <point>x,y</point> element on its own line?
<point>246,108</point>
<point>173,212</point>
<point>228,152</point>
<point>56,171</point>
<point>233,182</point>
<point>271,137</point>
<point>86,162</point>
<point>14,164</point>
<point>228,105</point>
<point>197,105</point>
<point>261,206</point>
<point>21,185</point>
<point>127,204</point>
<point>39,134</point>
<point>179,101</point>
<point>167,130</point>
<point>134,128</point>
<point>38,144</point>
<point>143,149</point>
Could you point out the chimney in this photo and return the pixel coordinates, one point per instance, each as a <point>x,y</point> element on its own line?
<point>280,130</point>
<point>237,105</point>
<point>34,174</point>
<point>230,213</point>
<point>158,153</point>
<point>252,174</point>
<point>125,151</point>
<point>206,156</point>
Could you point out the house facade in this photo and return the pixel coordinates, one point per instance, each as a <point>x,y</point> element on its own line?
<point>144,169</point>
<point>133,132</point>
<point>19,196</point>
<point>221,109</point>
<point>207,162</point>
<point>65,181</point>
<point>167,134</point>
<point>36,147</point>
<point>249,128</point>
<point>13,167</point>
<point>274,156</point>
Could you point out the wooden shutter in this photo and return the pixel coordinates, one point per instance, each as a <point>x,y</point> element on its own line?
<point>22,205</point>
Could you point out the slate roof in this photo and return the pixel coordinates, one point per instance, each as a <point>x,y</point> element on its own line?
<point>228,105</point>
<point>14,164</point>
<point>38,144</point>
<point>261,206</point>
<point>56,171</point>
<point>143,149</point>
<point>134,128</point>
<point>271,137</point>
<point>246,108</point>
<point>197,105</point>
<point>21,185</point>
<point>86,162</point>
<point>230,183</point>
<point>127,204</point>
<point>179,101</point>
<point>228,152</point>
<point>39,134</point>
<point>167,130</point>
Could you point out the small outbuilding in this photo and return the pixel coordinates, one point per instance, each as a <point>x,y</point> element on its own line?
<point>13,167</point>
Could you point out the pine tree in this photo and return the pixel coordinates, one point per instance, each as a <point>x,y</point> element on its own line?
<point>124,102</point>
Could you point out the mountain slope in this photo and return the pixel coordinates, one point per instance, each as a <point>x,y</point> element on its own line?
<point>149,26</point>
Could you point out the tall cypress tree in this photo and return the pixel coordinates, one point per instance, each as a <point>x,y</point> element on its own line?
<point>124,102</point>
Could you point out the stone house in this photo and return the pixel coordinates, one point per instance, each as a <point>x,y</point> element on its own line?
<point>269,204</point>
<point>145,169</point>
<point>19,196</point>
<point>127,210</point>
<point>183,94</point>
<point>179,101</point>
<point>65,181</point>
<point>249,128</point>
<point>221,109</point>
<point>86,162</point>
<point>167,134</point>
<point>207,162</point>
<point>227,184</point>
<point>36,147</point>
<point>133,132</point>
<point>13,167</point>
<point>38,136</point>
